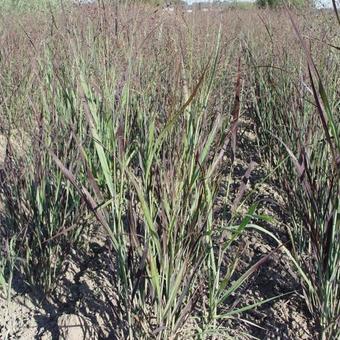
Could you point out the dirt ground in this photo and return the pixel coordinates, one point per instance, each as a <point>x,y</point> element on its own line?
<point>81,307</point>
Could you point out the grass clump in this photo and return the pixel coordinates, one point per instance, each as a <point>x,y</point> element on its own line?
<point>302,102</point>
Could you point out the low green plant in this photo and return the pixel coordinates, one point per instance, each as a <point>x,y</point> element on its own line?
<point>21,6</point>
<point>282,3</point>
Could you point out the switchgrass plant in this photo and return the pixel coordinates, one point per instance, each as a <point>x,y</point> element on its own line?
<point>126,122</point>
<point>153,178</point>
<point>297,107</point>
<point>38,203</point>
